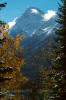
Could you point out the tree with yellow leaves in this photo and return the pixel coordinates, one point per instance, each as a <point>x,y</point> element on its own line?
<point>10,62</point>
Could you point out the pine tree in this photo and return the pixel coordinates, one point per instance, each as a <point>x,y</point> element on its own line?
<point>61,32</point>
<point>59,63</point>
<point>2,5</point>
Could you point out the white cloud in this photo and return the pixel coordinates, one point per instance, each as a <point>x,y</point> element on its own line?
<point>11,24</point>
<point>48,15</point>
<point>34,11</point>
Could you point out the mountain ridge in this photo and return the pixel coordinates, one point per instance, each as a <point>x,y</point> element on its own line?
<point>28,22</point>
<point>37,31</point>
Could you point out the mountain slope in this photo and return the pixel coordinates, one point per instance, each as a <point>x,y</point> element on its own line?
<point>37,30</point>
<point>34,26</point>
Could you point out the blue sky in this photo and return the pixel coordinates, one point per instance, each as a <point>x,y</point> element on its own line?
<point>15,8</point>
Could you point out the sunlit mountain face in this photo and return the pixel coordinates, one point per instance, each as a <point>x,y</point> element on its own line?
<point>30,21</point>
<point>38,27</point>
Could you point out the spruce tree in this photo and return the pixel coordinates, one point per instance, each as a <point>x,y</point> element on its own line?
<point>2,5</point>
<point>61,32</point>
<point>59,64</point>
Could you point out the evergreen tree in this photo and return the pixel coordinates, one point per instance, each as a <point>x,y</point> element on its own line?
<point>59,63</point>
<point>61,32</point>
<point>2,5</point>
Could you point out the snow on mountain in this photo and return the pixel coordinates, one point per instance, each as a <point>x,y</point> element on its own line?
<point>49,15</point>
<point>34,11</point>
<point>30,21</point>
<point>35,25</point>
<point>37,28</point>
<point>48,30</point>
<point>11,24</point>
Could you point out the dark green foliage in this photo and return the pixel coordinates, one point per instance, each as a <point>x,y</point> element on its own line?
<point>55,77</point>
<point>61,32</point>
<point>59,64</point>
<point>3,4</point>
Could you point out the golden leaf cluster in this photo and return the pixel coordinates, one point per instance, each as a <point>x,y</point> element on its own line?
<point>10,56</point>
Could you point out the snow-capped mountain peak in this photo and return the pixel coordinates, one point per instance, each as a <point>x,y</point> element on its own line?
<point>48,15</point>
<point>32,21</point>
<point>34,11</point>
<point>11,24</point>
<point>38,29</point>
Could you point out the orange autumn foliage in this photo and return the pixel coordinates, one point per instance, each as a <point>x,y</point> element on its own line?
<point>9,55</point>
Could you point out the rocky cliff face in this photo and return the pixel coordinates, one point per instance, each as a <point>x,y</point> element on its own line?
<point>38,28</point>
